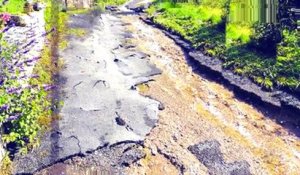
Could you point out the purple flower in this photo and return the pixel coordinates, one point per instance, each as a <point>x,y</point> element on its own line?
<point>4,107</point>
<point>1,82</point>
<point>30,86</point>
<point>22,77</point>
<point>13,90</point>
<point>13,77</point>
<point>46,33</point>
<point>6,29</point>
<point>26,51</point>
<point>48,87</point>
<point>30,43</point>
<point>13,117</point>
<point>34,76</point>
<point>19,64</point>
<point>32,60</point>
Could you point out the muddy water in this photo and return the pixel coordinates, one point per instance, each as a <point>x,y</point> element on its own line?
<point>198,110</point>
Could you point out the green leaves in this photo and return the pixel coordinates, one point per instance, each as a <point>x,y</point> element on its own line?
<point>21,105</point>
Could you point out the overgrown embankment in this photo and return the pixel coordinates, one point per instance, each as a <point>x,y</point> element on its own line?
<point>264,52</point>
<point>26,97</point>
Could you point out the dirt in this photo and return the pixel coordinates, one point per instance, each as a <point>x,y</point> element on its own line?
<point>197,110</point>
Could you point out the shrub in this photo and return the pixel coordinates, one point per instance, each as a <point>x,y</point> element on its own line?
<point>21,104</point>
<point>266,38</point>
<point>237,33</point>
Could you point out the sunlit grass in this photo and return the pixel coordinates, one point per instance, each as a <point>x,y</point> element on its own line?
<point>13,7</point>
<point>236,32</point>
<point>206,27</point>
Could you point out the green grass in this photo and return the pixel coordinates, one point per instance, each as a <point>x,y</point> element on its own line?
<point>238,33</point>
<point>103,3</point>
<point>205,26</point>
<point>198,24</point>
<point>13,7</point>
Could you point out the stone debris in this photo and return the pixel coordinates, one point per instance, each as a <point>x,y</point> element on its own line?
<point>210,155</point>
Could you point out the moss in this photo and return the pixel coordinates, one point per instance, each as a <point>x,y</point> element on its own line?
<point>142,88</point>
<point>5,165</point>
<point>63,45</point>
<point>77,32</point>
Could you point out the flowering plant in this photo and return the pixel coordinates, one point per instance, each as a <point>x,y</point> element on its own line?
<point>5,17</point>
<point>22,103</point>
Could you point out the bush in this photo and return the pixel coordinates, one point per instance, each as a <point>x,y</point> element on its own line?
<point>288,59</point>
<point>21,104</point>
<point>266,38</point>
<point>237,33</point>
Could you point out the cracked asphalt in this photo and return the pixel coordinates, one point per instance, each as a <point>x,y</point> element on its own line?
<point>98,87</point>
<point>135,104</point>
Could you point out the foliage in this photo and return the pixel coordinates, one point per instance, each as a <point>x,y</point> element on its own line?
<point>103,3</point>
<point>5,167</point>
<point>236,33</point>
<point>21,104</point>
<point>26,101</point>
<point>258,51</point>
<point>266,38</point>
<point>288,59</point>
<point>13,7</point>
<point>202,25</point>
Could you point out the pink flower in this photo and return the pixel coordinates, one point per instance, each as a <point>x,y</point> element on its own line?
<point>5,17</point>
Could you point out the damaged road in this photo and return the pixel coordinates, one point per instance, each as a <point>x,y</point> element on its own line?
<point>101,107</point>
<point>133,104</point>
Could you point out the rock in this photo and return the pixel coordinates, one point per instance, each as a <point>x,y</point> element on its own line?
<point>112,8</point>
<point>120,121</point>
<point>138,7</point>
<point>28,7</point>
<point>2,152</point>
<point>141,55</point>
<point>16,21</point>
<point>128,35</point>
<point>4,2</point>
<point>209,153</point>
<point>161,106</point>
<point>37,6</point>
<point>131,156</point>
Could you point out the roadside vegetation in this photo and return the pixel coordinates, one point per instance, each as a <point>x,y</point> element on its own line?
<point>13,6</point>
<point>267,53</point>
<point>103,3</point>
<point>26,102</point>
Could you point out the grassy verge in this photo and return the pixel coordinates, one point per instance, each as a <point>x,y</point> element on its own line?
<point>28,111</point>
<point>248,49</point>
<point>103,3</point>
